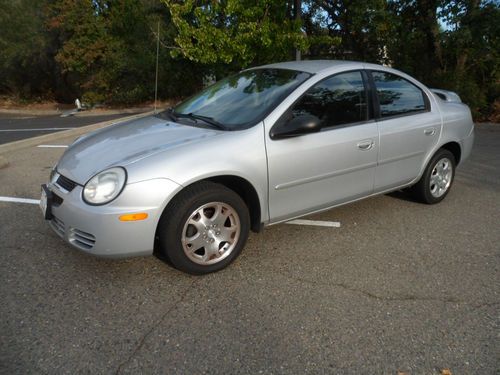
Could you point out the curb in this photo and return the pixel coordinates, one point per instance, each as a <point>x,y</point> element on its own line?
<point>61,111</point>
<point>34,112</point>
<point>13,146</point>
<point>106,112</point>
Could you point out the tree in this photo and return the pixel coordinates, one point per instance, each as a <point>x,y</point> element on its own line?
<point>235,32</point>
<point>26,65</point>
<point>416,43</point>
<point>358,30</point>
<point>105,50</point>
<point>471,52</point>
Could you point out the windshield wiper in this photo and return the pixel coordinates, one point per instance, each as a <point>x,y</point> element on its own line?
<point>209,120</point>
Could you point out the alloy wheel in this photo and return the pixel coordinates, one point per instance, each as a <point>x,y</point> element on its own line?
<point>211,233</point>
<point>440,179</point>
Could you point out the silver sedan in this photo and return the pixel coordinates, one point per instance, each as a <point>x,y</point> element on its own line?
<point>261,147</point>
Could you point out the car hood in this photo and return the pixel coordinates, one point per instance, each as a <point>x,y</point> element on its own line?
<point>125,143</point>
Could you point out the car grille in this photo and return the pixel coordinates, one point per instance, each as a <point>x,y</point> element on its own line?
<point>65,183</point>
<point>57,225</point>
<point>56,199</point>
<point>81,239</point>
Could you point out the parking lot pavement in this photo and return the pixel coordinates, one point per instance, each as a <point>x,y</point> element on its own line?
<point>399,286</point>
<point>14,127</point>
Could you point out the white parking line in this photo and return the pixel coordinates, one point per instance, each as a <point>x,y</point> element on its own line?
<point>33,130</point>
<point>319,223</point>
<point>19,200</point>
<point>52,146</point>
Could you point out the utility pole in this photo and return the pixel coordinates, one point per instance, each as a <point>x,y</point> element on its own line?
<point>297,5</point>
<point>157,54</point>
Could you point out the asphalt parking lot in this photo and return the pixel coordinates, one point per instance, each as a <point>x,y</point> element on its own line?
<point>399,287</point>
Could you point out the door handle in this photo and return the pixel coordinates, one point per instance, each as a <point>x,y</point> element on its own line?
<point>365,145</point>
<point>430,131</point>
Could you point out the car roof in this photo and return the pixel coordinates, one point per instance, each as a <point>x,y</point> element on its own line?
<point>326,67</point>
<point>313,66</point>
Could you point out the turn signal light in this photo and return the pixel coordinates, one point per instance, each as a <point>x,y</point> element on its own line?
<point>133,217</point>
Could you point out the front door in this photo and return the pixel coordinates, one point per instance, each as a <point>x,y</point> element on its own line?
<point>337,164</point>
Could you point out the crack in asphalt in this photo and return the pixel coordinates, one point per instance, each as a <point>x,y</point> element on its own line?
<point>402,298</point>
<point>144,337</point>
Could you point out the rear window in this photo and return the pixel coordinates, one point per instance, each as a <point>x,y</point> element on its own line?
<point>397,96</point>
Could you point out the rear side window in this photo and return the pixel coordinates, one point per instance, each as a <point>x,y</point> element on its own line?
<point>340,99</point>
<point>396,95</point>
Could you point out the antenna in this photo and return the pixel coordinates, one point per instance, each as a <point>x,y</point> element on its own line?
<point>157,53</point>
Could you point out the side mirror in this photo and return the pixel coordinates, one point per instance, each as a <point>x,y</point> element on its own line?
<point>303,124</point>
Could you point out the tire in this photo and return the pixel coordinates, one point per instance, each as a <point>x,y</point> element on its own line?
<point>204,228</point>
<point>437,178</point>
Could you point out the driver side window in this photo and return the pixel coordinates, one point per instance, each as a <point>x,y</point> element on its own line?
<point>338,100</point>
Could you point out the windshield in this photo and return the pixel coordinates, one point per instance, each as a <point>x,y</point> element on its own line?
<point>242,100</point>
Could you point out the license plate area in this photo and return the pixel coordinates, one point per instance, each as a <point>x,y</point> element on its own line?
<point>46,202</point>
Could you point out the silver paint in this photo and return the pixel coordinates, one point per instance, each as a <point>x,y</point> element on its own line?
<point>292,177</point>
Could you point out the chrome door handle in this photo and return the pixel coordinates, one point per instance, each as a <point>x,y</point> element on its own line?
<point>365,145</point>
<point>430,131</point>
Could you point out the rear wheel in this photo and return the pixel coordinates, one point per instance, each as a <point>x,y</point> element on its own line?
<point>437,179</point>
<point>204,228</point>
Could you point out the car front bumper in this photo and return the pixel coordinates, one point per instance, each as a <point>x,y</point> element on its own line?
<point>97,230</point>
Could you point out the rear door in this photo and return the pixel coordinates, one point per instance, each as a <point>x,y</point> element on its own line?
<point>315,171</point>
<point>409,129</point>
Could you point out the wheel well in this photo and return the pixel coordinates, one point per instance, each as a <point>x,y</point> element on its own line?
<point>454,148</point>
<point>247,192</point>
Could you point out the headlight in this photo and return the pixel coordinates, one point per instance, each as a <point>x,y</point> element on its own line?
<point>105,186</point>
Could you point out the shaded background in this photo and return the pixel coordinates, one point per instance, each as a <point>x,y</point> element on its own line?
<point>105,51</point>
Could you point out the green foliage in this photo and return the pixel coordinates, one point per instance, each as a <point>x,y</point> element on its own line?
<point>235,31</point>
<point>105,50</point>
<point>357,30</point>
<point>471,50</point>
<point>25,61</point>
<point>462,56</point>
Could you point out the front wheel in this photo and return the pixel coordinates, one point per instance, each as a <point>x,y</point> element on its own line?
<point>436,181</point>
<point>204,228</point>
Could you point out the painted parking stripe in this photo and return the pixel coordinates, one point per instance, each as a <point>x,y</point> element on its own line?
<point>319,223</point>
<point>52,146</point>
<point>19,200</point>
<point>33,130</point>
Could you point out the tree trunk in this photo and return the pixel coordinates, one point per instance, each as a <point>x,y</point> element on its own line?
<point>430,28</point>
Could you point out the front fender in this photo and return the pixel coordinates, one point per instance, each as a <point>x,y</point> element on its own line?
<point>230,153</point>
